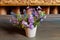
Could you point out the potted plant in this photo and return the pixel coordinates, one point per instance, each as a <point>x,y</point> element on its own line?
<point>30,23</point>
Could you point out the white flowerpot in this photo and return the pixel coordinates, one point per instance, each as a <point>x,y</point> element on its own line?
<point>31,32</point>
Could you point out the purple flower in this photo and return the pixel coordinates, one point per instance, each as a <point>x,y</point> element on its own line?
<point>36,14</point>
<point>25,23</point>
<point>31,26</point>
<point>31,19</point>
<point>14,20</point>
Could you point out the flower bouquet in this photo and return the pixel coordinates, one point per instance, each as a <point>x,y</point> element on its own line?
<point>28,22</point>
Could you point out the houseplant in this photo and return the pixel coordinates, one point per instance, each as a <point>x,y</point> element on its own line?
<point>28,22</point>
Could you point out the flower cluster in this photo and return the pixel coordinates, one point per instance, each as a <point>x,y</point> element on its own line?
<point>30,19</point>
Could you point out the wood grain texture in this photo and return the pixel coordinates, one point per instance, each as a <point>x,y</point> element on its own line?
<point>29,2</point>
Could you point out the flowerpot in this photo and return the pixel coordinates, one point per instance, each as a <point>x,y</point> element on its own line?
<point>31,32</point>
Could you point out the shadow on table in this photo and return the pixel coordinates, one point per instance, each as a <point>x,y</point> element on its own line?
<point>13,30</point>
